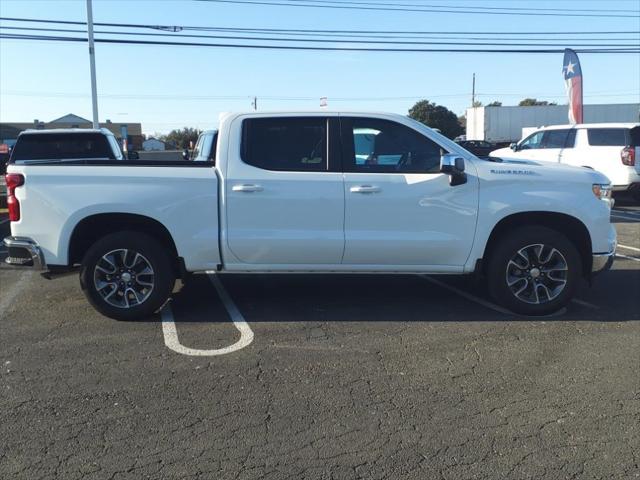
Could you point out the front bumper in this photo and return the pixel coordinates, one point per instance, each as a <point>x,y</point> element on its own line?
<point>602,262</point>
<point>24,252</point>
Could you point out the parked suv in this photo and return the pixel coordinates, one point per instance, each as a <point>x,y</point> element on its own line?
<point>611,148</point>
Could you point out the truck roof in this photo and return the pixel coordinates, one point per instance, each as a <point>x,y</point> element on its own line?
<point>32,131</point>
<point>590,125</point>
<point>314,112</point>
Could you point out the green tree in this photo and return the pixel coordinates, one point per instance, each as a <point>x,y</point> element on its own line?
<point>534,102</point>
<point>436,116</point>
<point>476,103</point>
<point>495,103</point>
<point>182,137</point>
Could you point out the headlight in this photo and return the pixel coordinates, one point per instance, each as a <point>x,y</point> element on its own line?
<point>602,191</point>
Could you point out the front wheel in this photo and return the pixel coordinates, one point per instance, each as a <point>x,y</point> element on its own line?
<point>534,271</point>
<point>127,275</point>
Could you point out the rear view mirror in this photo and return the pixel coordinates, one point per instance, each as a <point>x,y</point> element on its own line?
<point>453,165</point>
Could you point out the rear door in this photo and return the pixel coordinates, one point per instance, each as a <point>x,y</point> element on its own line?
<point>284,205</point>
<point>553,143</point>
<point>400,210</point>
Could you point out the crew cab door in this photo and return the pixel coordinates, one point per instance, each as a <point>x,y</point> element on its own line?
<point>400,210</point>
<point>283,204</point>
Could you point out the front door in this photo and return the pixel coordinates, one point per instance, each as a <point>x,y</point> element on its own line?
<point>283,205</point>
<point>399,209</point>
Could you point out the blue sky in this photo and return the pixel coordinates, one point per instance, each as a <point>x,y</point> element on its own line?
<point>159,85</point>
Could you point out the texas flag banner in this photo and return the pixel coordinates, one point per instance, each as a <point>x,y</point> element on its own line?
<point>573,81</point>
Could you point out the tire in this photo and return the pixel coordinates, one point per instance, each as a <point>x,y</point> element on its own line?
<point>127,275</point>
<point>530,280</point>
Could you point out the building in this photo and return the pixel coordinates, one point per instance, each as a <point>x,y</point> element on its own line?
<point>153,145</point>
<point>9,131</point>
<point>506,124</point>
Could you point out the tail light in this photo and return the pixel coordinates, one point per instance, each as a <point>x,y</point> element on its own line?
<point>13,181</point>
<point>628,156</point>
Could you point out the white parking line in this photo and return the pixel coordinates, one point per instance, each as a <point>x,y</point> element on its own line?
<point>625,217</point>
<point>585,304</point>
<point>10,293</point>
<point>468,296</point>
<point>627,257</point>
<point>170,331</point>
<point>627,212</point>
<point>629,248</point>
<point>490,305</point>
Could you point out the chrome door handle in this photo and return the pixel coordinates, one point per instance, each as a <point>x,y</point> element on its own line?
<point>247,188</point>
<point>365,189</point>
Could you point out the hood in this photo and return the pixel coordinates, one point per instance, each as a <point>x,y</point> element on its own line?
<point>534,169</point>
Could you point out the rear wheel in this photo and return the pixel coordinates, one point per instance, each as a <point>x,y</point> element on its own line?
<point>127,275</point>
<point>534,271</point>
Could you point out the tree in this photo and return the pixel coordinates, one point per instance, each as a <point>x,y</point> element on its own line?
<point>533,102</point>
<point>182,138</point>
<point>436,116</point>
<point>476,103</point>
<point>495,103</point>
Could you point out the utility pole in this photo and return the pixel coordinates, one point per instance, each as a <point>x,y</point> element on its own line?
<point>254,104</point>
<point>92,63</point>
<point>473,92</point>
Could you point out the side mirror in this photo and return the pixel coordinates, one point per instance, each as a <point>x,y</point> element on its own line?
<point>514,147</point>
<point>133,155</point>
<point>453,165</point>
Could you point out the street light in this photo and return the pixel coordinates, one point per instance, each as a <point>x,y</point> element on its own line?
<point>92,64</point>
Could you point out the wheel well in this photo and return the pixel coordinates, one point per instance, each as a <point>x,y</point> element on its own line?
<point>91,229</point>
<point>570,226</point>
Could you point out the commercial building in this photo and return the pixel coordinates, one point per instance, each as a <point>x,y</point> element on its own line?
<point>9,131</point>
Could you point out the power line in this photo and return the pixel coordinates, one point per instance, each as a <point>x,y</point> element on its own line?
<point>313,48</point>
<point>142,96</point>
<point>177,28</point>
<point>392,8</point>
<point>506,42</point>
<point>458,7</point>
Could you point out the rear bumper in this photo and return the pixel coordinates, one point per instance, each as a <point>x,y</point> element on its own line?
<point>24,252</point>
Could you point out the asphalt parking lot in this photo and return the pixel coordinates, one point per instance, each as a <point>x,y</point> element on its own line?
<point>323,377</point>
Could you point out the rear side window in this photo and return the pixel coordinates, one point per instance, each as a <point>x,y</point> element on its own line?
<point>54,146</point>
<point>285,144</point>
<point>205,150</point>
<point>554,138</point>
<point>608,137</point>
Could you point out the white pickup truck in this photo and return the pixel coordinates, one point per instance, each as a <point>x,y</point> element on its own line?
<point>312,192</point>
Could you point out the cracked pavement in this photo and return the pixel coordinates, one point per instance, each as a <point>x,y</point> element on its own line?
<point>348,377</point>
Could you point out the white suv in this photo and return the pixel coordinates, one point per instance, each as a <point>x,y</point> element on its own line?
<point>610,148</point>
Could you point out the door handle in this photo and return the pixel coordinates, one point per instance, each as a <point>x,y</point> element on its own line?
<point>247,188</point>
<point>365,189</point>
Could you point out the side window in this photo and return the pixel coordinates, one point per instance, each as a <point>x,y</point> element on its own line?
<point>381,146</point>
<point>285,144</point>
<point>205,150</point>
<point>571,139</point>
<point>554,138</point>
<point>607,137</point>
<point>115,147</point>
<point>51,146</point>
<point>532,141</point>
